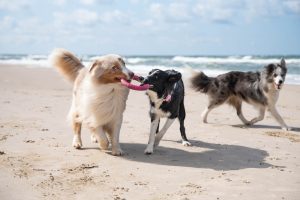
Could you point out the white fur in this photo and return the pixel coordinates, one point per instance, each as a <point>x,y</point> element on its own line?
<point>272,96</point>
<point>126,71</point>
<point>157,103</point>
<point>161,133</point>
<point>278,79</point>
<point>100,105</point>
<point>186,143</point>
<point>154,139</point>
<point>150,146</point>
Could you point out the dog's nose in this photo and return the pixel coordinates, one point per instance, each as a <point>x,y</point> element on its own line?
<point>141,79</point>
<point>280,81</point>
<point>131,74</point>
<point>145,81</point>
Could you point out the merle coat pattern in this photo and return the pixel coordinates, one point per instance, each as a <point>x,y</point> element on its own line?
<point>260,89</point>
<point>166,96</point>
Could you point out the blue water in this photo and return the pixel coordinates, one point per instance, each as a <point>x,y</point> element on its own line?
<point>211,65</point>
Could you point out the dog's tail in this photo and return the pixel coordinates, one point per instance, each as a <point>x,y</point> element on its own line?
<point>200,82</point>
<point>66,63</point>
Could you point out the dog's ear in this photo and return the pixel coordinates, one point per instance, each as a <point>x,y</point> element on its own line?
<point>153,70</point>
<point>96,69</point>
<point>121,60</point>
<point>269,68</point>
<point>174,76</point>
<point>282,63</point>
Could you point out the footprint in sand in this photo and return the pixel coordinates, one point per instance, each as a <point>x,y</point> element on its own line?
<point>291,136</point>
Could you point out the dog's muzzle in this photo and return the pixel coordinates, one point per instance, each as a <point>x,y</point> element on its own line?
<point>279,85</point>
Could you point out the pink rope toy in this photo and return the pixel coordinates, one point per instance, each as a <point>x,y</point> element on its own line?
<point>135,87</point>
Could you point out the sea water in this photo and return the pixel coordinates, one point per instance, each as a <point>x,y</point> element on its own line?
<point>211,65</point>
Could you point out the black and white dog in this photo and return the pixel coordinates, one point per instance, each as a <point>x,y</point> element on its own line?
<point>166,96</point>
<point>260,89</point>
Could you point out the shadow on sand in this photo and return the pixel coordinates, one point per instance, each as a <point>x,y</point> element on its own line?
<point>296,129</point>
<point>214,156</point>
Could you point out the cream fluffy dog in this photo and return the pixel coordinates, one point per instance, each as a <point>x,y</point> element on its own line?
<point>99,99</point>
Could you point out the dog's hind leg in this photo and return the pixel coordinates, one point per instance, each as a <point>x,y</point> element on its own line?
<point>261,116</point>
<point>77,143</point>
<point>239,113</point>
<point>212,104</point>
<point>153,128</point>
<point>205,113</point>
<point>161,133</point>
<point>157,130</point>
<point>278,118</point>
<point>181,118</point>
<point>237,103</point>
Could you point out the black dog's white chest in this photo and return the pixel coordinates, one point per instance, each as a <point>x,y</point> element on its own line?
<point>156,104</point>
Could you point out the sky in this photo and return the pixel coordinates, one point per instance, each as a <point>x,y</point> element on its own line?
<point>151,27</point>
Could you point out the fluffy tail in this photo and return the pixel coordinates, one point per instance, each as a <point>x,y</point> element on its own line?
<point>66,63</point>
<point>200,82</point>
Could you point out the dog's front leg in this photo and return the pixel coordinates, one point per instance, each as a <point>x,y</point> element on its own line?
<point>77,143</point>
<point>116,148</point>
<point>278,118</point>
<point>99,135</point>
<point>161,133</point>
<point>154,124</point>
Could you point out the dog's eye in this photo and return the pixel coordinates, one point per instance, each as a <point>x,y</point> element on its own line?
<point>275,75</point>
<point>115,68</point>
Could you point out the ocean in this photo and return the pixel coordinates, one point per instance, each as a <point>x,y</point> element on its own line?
<point>211,65</point>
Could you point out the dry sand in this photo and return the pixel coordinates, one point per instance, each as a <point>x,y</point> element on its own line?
<point>227,160</point>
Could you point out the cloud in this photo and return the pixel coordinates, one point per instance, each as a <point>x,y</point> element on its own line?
<point>173,12</point>
<point>60,2</point>
<point>145,22</point>
<point>293,6</point>
<point>80,17</point>
<point>249,10</point>
<point>114,16</point>
<point>7,23</point>
<point>14,5</point>
<point>215,10</point>
<point>156,10</point>
<point>87,2</point>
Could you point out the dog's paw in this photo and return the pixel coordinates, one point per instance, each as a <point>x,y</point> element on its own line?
<point>103,145</point>
<point>77,144</point>
<point>204,121</point>
<point>248,123</point>
<point>186,143</point>
<point>148,150</point>
<point>117,152</point>
<point>94,139</point>
<point>286,128</point>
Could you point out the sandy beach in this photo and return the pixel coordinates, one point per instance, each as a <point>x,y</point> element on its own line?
<point>227,160</point>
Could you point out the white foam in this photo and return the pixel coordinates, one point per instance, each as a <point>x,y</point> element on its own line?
<point>26,62</point>
<point>230,59</point>
<point>135,60</point>
<point>137,65</point>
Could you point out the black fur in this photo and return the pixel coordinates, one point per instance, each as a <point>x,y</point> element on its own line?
<point>164,83</point>
<point>231,83</point>
<point>260,89</point>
